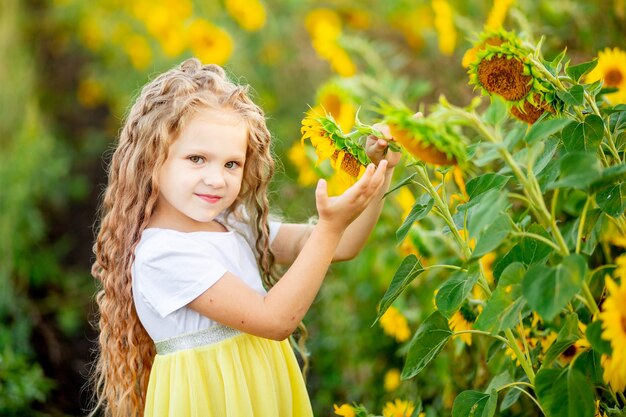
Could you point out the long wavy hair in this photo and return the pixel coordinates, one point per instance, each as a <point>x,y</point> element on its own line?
<point>161,111</point>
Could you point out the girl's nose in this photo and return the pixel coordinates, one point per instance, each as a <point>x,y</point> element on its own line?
<point>214,178</point>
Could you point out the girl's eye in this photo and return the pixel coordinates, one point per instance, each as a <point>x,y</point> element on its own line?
<point>196,159</point>
<point>231,164</point>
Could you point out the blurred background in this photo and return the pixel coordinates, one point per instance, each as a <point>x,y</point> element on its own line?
<point>68,72</point>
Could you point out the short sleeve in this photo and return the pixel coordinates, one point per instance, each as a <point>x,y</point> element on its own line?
<point>273,226</point>
<point>171,272</point>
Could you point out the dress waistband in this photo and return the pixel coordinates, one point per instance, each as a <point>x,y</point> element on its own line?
<point>209,336</point>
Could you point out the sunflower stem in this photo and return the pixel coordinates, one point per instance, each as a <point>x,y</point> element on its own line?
<point>528,369</point>
<point>581,225</point>
<point>472,331</point>
<point>541,239</point>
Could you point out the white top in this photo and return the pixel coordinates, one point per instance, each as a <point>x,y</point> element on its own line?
<point>173,268</point>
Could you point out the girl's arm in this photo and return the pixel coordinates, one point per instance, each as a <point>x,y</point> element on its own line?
<point>276,315</point>
<point>291,238</point>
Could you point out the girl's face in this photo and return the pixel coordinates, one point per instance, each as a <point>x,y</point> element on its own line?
<point>203,172</point>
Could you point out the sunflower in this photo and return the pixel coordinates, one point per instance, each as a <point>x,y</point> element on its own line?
<point>344,410</point>
<point>398,408</point>
<point>429,142</point>
<point>501,67</point>
<point>338,101</point>
<point>392,380</point>
<point>613,318</point>
<point>395,324</point>
<point>249,14</point>
<point>611,69</point>
<point>331,143</point>
<point>463,320</point>
<point>444,25</point>
<point>209,42</point>
<point>498,12</point>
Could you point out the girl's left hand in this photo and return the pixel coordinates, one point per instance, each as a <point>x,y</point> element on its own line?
<point>376,148</point>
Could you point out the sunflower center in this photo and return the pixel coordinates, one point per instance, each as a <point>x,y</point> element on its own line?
<point>504,76</point>
<point>613,77</point>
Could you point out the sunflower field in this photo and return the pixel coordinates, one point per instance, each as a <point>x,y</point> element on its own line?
<point>495,281</point>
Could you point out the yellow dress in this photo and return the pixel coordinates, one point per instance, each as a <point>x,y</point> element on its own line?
<point>221,372</point>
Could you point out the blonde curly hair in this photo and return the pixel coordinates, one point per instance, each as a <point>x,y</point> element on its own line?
<point>161,111</point>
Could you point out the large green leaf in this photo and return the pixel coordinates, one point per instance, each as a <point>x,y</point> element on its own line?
<point>575,96</point>
<point>612,200</point>
<point>566,337</point>
<point>528,251</point>
<point>483,183</point>
<point>564,393</point>
<point>594,336</point>
<point>589,364</point>
<point>549,289</point>
<point>545,128</point>
<point>497,112</point>
<point>480,216</point>
<point>408,270</point>
<point>578,170</point>
<point>577,71</point>
<point>617,122</point>
<point>584,136</point>
<point>506,302</point>
<point>428,341</point>
<point>475,404</point>
<point>493,236</point>
<point>455,290</point>
<point>420,209</point>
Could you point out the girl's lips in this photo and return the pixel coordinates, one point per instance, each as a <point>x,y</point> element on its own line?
<point>209,198</point>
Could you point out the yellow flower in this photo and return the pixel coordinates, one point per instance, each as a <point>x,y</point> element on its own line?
<point>345,410</point>
<point>328,18</point>
<point>462,320</point>
<point>335,100</point>
<point>392,380</point>
<point>614,371</point>
<point>138,50</point>
<point>172,40</point>
<point>498,13</point>
<point>356,17</point>
<point>394,324</point>
<point>406,200</point>
<point>398,408</point>
<point>444,24</point>
<point>611,69</point>
<point>209,43</point>
<point>620,271</point>
<point>613,318</point>
<point>297,155</point>
<point>250,14</point>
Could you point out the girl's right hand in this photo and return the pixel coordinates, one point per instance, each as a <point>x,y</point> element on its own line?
<point>338,212</point>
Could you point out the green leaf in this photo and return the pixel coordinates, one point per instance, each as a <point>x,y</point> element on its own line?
<point>584,136</point>
<point>480,216</point>
<point>594,336</point>
<point>511,396</point>
<point>610,176</point>
<point>506,302</point>
<point>549,289</point>
<point>578,170</point>
<point>575,96</point>
<point>475,404</point>
<point>543,129</point>
<point>409,269</point>
<point>497,111</point>
<point>567,336</point>
<point>428,341</point>
<point>493,236</point>
<point>455,290</point>
<point>617,122</point>
<point>588,363</point>
<point>419,210</point>
<point>483,183</point>
<point>528,251</point>
<point>406,181</point>
<point>612,200</point>
<point>577,71</point>
<point>565,393</point>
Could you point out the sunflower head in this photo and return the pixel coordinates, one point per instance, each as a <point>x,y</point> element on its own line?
<point>426,141</point>
<point>337,100</point>
<point>330,142</point>
<point>501,67</point>
<point>611,69</point>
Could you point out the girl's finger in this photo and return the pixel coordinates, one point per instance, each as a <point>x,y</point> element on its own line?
<point>321,193</point>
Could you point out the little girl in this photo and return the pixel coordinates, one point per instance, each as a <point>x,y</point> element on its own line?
<point>193,320</point>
